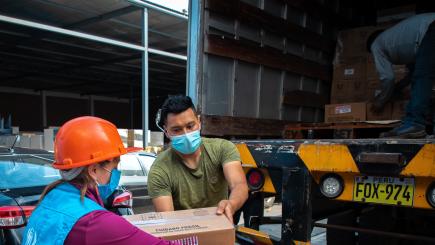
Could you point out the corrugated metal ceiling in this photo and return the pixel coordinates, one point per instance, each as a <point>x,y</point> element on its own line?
<point>42,60</point>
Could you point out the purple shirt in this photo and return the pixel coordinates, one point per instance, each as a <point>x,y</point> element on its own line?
<point>105,227</point>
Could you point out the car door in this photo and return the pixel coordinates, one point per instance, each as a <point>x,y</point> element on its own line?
<point>134,179</point>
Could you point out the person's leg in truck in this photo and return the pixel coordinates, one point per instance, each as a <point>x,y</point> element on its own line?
<point>413,124</point>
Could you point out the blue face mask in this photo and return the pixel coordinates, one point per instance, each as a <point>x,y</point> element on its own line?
<point>106,190</point>
<point>186,143</point>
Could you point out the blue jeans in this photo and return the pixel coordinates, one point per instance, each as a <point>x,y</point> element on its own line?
<point>422,79</point>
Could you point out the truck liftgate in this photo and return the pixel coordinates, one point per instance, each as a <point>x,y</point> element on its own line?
<point>371,191</point>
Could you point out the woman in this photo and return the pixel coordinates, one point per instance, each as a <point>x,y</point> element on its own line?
<point>70,211</point>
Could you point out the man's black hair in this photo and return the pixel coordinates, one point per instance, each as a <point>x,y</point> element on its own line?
<point>372,38</point>
<point>175,104</point>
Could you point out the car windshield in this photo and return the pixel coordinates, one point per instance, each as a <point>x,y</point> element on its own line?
<point>147,161</point>
<point>26,170</point>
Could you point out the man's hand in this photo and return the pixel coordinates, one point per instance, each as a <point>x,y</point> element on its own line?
<point>383,97</point>
<point>225,207</point>
<point>376,107</point>
<point>238,189</point>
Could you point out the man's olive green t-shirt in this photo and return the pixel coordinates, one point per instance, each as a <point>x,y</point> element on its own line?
<point>202,187</point>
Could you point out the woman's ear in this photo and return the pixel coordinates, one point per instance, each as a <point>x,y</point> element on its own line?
<point>92,171</point>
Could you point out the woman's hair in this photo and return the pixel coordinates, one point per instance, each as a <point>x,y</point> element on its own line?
<point>84,180</point>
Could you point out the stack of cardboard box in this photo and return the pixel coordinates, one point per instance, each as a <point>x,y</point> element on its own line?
<point>355,81</point>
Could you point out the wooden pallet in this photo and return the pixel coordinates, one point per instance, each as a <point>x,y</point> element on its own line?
<point>347,130</point>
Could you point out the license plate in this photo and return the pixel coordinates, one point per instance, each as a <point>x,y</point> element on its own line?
<point>384,190</point>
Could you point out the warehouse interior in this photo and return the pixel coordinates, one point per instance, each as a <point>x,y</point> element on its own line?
<point>47,78</point>
<point>267,64</point>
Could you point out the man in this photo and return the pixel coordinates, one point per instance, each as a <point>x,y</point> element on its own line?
<point>195,172</point>
<point>410,42</point>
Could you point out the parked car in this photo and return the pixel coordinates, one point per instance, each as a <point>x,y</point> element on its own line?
<point>24,173</point>
<point>134,168</point>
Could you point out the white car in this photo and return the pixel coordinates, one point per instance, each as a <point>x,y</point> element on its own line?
<point>134,168</point>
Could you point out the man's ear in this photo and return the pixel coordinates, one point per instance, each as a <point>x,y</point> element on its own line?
<point>165,131</point>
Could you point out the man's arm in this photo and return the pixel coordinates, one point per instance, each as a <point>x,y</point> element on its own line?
<point>386,76</point>
<point>406,80</point>
<point>239,189</point>
<point>159,190</point>
<point>163,204</point>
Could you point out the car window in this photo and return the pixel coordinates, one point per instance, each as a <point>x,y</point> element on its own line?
<point>130,166</point>
<point>146,161</point>
<point>20,171</point>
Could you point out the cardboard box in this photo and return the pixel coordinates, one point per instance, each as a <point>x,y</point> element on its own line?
<point>372,73</point>
<point>373,89</point>
<point>349,112</point>
<point>352,43</point>
<point>49,139</point>
<point>203,223</point>
<point>349,82</point>
<point>348,91</point>
<point>340,91</point>
<point>15,130</point>
<point>385,114</point>
<point>399,109</point>
<point>355,69</point>
<point>358,81</point>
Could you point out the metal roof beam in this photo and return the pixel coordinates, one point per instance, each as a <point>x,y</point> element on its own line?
<point>72,67</point>
<point>82,35</point>
<point>37,60</point>
<point>145,4</point>
<point>14,49</point>
<point>93,65</point>
<point>167,54</point>
<point>111,19</point>
<point>102,17</point>
<point>152,86</point>
<point>67,32</point>
<point>48,76</point>
<point>71,76</point>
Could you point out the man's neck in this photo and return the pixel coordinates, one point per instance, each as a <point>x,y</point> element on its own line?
<point>191,160</point>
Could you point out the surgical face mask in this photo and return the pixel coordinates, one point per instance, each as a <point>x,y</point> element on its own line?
<point>106,190</point>
<point>186,143</point>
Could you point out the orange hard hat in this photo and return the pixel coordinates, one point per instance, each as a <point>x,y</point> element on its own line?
<point>86,140</point>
